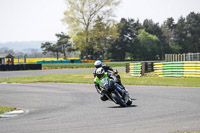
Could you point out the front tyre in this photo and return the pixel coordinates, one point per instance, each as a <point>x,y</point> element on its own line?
<point>118,100</point>
<point>129,102</point>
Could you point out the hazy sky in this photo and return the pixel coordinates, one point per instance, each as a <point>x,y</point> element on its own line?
<point>40,20</point>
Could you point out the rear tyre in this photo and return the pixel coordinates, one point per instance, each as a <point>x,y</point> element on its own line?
<point>118,100</point>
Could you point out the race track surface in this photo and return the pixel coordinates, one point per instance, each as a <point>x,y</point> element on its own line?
<point>76,108</point>
<point>6,74</point>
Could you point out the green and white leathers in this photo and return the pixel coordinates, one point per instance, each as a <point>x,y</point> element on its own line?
<point>103,80</point>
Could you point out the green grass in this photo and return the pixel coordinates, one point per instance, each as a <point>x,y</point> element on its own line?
<point>80,65</point>
<point>56,78</point>
<point>88,78</point>
<point>191,132</point>
<point>165,81</point>
<point>4,109</point>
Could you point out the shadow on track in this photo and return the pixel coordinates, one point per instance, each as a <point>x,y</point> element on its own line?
<point>133,99</point>
<point>131,106</point>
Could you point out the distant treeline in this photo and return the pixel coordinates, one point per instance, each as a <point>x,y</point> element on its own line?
<point>149,40</point>
<point>133,40</point>
<point>128,39</point>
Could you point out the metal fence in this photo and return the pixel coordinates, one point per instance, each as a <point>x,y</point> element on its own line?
<point>182,57</point>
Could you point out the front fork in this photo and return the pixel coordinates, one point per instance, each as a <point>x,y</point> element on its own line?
<point>124,94</point>
<point>120,88</point>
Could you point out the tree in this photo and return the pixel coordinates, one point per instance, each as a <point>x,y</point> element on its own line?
<point>181,37</point>
<point>33,53</point>
<point>80,16</point>
<point>155,29</point>
<point>126,43</point>
<point>119,48</point>
<point>168,30</point>
<point>193,32</point>
<point>134,46</point>
<point>6,50</point>
<point>102,34</point>
<point>49,47</point>
<point>63,43</point>
<point>148,44</point>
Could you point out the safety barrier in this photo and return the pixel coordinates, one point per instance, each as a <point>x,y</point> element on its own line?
<point>178,69</point>
<point>69,61</point>
<point>135,69</point>
<point>92,61</point>
<point>59,61</point>
<point>139,68</point>
<point>16,67</point>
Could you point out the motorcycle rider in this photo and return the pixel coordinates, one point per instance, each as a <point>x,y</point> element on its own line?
<point>104,87</point>
<point>100,74</point>
<point>106,68</point>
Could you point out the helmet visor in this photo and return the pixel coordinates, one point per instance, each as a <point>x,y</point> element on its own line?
<point>100,76</point>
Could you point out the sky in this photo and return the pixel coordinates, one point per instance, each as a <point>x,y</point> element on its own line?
<point>40,20</point>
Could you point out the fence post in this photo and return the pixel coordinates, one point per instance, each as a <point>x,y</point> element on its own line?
<point>198,56</point>
<point>166,57</point>
<point>171,57</point>
<point>184,57</point>
<point>127,67</point>
<point>143,68</point>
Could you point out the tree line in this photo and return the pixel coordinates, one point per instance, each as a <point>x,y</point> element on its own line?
<point>150,41</point>
<point>93,34</point>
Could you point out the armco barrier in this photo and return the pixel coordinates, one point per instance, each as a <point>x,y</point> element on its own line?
<point>59,61</point>
<point>17,67</point>
<point>178,69</point>
<point>135,69</point>
<point>92,61</point>
<point>76,61</point>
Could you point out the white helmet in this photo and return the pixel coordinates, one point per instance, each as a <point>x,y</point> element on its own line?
<point>100,72</point>
<point>98,64</point>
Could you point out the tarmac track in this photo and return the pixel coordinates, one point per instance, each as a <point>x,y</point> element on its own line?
<point>5,74</point>
<point>76,108</point>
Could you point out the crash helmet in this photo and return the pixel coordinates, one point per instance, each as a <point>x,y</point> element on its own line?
<point>100,72</point>
<point>98,64</point>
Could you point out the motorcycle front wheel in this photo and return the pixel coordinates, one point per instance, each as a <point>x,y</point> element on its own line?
<point>118,100</point>
<point>129,102</point>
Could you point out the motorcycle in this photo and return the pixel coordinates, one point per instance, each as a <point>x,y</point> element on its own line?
<point>114,92</point>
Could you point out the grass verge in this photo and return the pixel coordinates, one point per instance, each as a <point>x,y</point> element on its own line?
<point>80,65</point>
<point>191,132</point>
<point>126,80</point>
<point>4,109</point>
